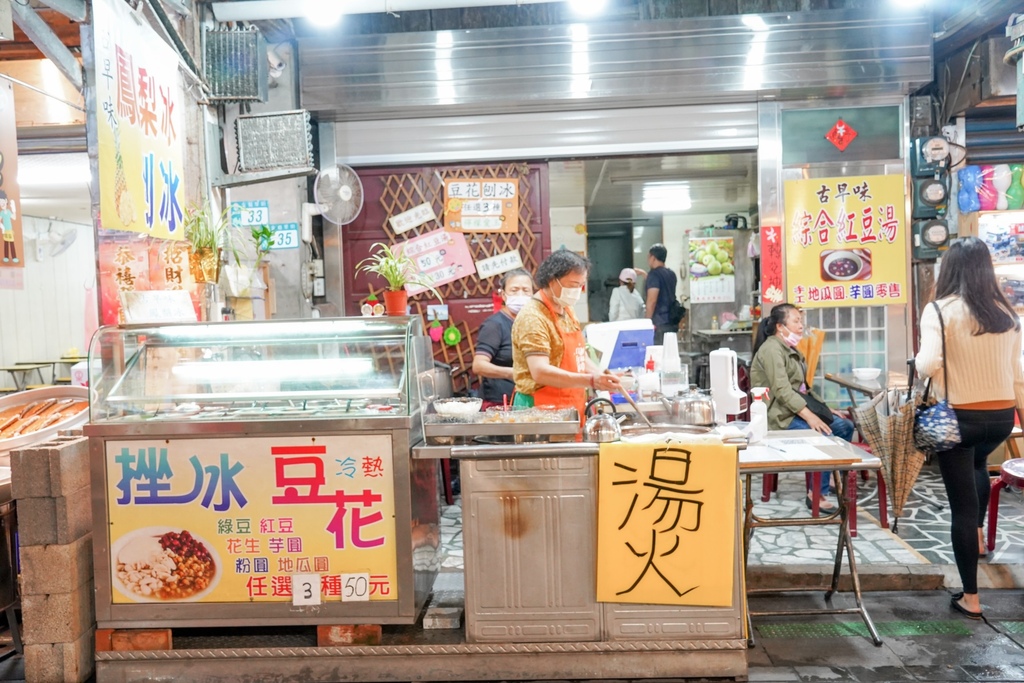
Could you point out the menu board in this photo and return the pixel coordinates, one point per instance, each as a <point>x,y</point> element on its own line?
<point>712,267</point>
<point>846,241</point>
<point>440,256</point>
<point>478,205</point>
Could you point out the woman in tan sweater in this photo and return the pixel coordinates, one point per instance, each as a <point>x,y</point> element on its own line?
<point>986,386</point>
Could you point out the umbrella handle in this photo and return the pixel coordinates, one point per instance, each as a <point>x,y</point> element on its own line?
<point>911,372</point>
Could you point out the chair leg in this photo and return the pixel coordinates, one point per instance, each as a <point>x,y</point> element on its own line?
<point>851,501</point>
<point>814,481</point>
<point>883,500</point>
<point>993,512</point>
<point>864,475</point>
<point>767,486</point>
<point>446,477</point>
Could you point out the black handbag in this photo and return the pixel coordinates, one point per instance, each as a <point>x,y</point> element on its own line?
<point>936,427</point>
<point>820,410</point>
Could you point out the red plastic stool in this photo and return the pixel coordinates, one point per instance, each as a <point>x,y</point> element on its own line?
<point>1011,473</point>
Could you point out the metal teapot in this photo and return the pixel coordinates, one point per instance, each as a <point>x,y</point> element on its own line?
<point>601,427</point>
<point>690,408</point>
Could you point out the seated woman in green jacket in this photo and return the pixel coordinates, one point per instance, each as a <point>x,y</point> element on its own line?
<point>778,365</point>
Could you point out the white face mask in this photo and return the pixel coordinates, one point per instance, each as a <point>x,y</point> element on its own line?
<point>569,295</point>
<point>516,302</point>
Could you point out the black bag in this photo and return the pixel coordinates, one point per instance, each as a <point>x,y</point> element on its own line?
<point>676,312</point>
<point>820,410</point>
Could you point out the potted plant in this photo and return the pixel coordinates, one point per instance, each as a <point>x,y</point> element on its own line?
<point>205,235</point>
<point>398,270</point>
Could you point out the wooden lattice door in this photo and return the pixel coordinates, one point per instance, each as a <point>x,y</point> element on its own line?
<point>390,192</point>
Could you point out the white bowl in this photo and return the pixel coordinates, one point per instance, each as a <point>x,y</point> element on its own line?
<point>866,374</point>
<point>156,532</point>
<point>458,406</point>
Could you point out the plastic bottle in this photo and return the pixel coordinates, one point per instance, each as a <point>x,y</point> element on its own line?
<point>714,322</point>
<point>758,415</point>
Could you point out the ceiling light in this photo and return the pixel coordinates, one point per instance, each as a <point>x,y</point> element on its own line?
<point>323,13</point>
<point>666,198</point>
<point>587,8</point>
<point>909,4</point>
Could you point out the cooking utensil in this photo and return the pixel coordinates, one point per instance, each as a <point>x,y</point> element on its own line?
<point>632,403</point>
<point>601,427</point>
<point>692,407</point>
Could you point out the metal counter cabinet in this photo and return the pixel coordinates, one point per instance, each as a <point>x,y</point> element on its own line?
<point>530,542</point>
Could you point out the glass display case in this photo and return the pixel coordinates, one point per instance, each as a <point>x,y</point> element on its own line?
<point>258,473</point>
<point>266,370</point>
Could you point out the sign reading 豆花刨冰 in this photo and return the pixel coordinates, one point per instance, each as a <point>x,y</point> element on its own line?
<point>481,205</point>
<point>846,241</point>
<point>235,520</point>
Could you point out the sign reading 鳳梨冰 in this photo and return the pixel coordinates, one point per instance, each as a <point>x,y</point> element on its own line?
<point>479,205</point>
<point>140,125</point>
<point>666,520</point>
<point>846,241</point>
<point>233,520</point>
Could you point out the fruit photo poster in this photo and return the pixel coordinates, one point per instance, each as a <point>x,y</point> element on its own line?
<point>712,270</point>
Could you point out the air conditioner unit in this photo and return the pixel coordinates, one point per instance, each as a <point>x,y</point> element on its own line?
<point>236,65</point>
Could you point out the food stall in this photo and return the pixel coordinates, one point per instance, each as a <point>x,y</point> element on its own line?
<point>258,473</point>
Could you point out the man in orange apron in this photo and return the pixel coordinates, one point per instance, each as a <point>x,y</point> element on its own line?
<point>549,356</point>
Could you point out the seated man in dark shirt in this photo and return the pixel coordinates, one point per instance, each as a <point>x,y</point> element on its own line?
<point>661,292</point>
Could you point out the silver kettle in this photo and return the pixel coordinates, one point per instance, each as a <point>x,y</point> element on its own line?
<point>690,408</point>
<point>601,427</point>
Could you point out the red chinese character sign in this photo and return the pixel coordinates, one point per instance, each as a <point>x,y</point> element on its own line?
<point>846,241</point>
<point>139,123</point>
<point>233,520</point>
<point>772,291</point>
<point>10,198</point>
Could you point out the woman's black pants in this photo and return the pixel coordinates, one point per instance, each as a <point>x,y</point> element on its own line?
<point>965,473</point>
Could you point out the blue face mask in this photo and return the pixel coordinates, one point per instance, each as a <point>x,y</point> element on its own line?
<point>515,302</point>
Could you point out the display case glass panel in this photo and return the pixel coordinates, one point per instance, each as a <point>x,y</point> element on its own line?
<point>258,370</point>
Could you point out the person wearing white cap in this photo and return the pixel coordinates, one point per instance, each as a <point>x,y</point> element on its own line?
<point>626,302</point>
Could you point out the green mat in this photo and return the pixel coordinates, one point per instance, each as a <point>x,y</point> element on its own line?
<point>850,629</point>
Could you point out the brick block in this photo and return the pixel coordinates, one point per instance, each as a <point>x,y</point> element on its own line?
<point>347,634</point>
<point>58,467</point>
<point>30,472</point>
<point>104,639</point>
<point>47,521</point>
<point>55,568</point>
<point>69,471</point>
<point>68,662</point>
<point>141,639</point>
<point>58,617</point>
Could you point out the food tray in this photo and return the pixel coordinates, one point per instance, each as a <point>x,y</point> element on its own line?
<point>45,434</point>
<point>449,433</point>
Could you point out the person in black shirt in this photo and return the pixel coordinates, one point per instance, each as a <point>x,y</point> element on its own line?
<point>661,292</point>
<point>492,361</point>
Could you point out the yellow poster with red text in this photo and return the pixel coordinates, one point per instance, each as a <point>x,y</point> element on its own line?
<point>846,241</point>
<point>140,125</point>
<point>233,520</point>
<point>666,524</point>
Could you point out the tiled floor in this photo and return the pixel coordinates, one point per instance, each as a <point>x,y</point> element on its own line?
<point>923,528</point>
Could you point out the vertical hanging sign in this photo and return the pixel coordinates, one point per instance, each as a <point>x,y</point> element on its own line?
<point>139,123</point>
<point>10,198</point>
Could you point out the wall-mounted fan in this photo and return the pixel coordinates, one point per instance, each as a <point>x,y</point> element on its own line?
<point>339,198</point>
<point>59,242</point>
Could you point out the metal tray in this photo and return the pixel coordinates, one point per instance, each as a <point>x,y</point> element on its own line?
<point>455,433</point>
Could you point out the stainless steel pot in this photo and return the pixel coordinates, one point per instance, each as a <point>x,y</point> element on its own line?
<point>690,408</point>
<point>601,427</point>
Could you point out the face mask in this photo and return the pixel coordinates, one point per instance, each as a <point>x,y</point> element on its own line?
<point>791,338</point>
<point>516,302</point>
<point>569,296</point>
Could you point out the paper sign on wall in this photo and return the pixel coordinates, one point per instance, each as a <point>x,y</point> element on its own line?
<point>666,518</point>
<point>711,266</point>
<point>413,218</point>
<point>477,205</point>
<point>440,255</point>
<point>496,265</point>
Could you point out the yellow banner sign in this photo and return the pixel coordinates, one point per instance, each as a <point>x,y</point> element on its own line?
<point>140,126</point>
<point>235,520</point>
<point>846,241</point>
<point>666,523</point>
<point>479,205</point>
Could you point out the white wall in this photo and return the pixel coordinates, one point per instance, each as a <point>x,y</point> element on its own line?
<point>567,211</point>
<point>51,313</point>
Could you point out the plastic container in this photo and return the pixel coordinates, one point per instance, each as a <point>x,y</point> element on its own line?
<point>714,322</point>
<point>758,415</point>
